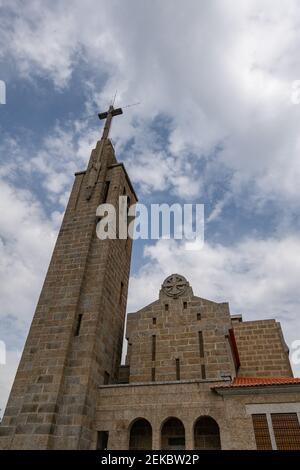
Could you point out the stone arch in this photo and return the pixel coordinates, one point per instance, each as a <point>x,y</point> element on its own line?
<point>140,434</point>
<point>172,434</point>
<point>206,434</point>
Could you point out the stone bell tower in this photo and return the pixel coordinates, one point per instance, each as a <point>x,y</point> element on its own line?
<point>75,340</point>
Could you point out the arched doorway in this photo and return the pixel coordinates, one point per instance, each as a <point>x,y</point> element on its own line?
<point>172,435</point>
<point>206,434</point>
<point>140,435</point>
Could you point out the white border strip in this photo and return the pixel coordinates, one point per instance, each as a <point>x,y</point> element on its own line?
<point>273,408</point>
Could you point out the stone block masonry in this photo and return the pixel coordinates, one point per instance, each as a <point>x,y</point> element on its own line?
<point>75,339</point>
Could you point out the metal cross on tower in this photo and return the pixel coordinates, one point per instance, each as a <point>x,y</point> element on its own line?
<point>95,166</point>
<point>108,115</point>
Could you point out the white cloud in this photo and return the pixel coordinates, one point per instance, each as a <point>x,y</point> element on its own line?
<point>7,374</point>
<point>26,240</point>
<point>217,210</point>
<point>62,152</point>
<point>221,71</point>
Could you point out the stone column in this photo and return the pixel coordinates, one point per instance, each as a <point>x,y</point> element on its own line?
<point>189,436</point>
<point>156,436</point>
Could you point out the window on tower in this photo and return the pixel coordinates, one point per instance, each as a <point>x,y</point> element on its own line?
<point>153,347</point>
<point>106,190</point>
<point>78,326</point>
<point>106,378</point>
<point>177,369</point>
<point>121,293</point>
<point>201,345</point>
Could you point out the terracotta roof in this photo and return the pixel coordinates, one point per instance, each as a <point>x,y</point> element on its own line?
<point>254,381</point>
<point>260,381</point>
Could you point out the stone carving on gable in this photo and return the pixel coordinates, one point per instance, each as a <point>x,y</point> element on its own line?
<point>175,285</point>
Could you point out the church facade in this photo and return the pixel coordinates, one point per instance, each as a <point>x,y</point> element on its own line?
<point>198,378</point>
<point>195,377</point>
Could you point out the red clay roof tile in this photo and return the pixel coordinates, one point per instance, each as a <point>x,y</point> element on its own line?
<point>254,381</point>
<point>260,381</point>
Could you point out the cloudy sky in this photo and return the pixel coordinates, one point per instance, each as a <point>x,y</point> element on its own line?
<point>218,123</point>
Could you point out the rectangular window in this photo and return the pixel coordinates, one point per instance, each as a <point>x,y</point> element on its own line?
<point>79,320</point>
<point>153,347</point>
<point>154,321</point>
<point>286,430</point>
<point>201,346</point>
<point>106,190</point>
<point>106,378</point>
<point>121,293</point>
<point>184,305</point>
<point>198,316</point>
<point>261,432</point>
<point>102,440</point>
<point>177,369</point>
<point>153,374</point>
<point>203,372</point>
<point>166,307</point>
<point>128,200</point>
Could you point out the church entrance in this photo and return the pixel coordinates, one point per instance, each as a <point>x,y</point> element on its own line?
<point>207,434</point>
<point>140,435</point>
<point>172,435</point>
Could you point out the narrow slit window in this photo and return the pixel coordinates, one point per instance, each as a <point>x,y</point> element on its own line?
<point>184,305</point>
<point>166,307</point>
<point>177,369</point>
<point>153,347</point>
<point>102,440</point>
<point>78,326</point>
<point>121,293</point>
<point>201,346</point>
<point>198,316</point>
<point>106,190</point>
<point>106,378</point>
<point>154,321</point>
<point>153,374</point>
<point>203,371</point>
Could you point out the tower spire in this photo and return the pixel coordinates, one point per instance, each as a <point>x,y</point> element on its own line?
<point>75,341</point>
<point>95,166</point>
